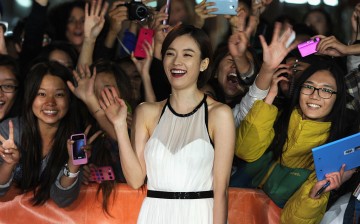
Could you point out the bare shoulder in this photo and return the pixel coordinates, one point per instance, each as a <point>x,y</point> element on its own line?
<point>220,117</point>
<point>149,113</point>
<point>218,109</point>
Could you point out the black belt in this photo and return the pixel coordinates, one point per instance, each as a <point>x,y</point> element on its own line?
<point>180,195</point>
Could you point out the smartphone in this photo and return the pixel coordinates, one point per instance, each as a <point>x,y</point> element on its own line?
<point>79,155</point>
<point>167,10</point>
<point>225,7</point>
<point>100,174</point>
<point>308,47</point>
<point>291,39</point>
<point>144,34</point>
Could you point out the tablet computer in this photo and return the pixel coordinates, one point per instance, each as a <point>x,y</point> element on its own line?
<point>329,157</point>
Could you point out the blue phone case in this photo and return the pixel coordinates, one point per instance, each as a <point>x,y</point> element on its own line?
<point>225,7</point>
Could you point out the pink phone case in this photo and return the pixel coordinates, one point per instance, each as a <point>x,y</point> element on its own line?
<point>103,173</point>
<point>78,154</point>
<point>144,34</point>
<point>308,47</point>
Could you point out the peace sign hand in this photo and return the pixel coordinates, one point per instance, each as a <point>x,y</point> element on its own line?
<point>8,150</point>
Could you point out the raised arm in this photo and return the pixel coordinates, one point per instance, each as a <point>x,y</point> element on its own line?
<point>273,55</point>
<point>131,153</point>
<point>238,44</point>
<point>3,49</point>
<point>161,31</point>
<point>94,22</point>
<point>85,92</point>
<point>143,67</point>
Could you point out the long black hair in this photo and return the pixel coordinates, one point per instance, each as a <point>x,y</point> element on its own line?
<point>337,116</point>
<point>33,178</point>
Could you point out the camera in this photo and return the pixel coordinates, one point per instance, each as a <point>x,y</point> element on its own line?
<point>308,47</point>
<point>137,10</point>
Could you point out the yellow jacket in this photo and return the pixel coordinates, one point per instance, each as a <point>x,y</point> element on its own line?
<point>256,133</point>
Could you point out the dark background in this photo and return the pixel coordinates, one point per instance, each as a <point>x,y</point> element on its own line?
<point>340,14</point>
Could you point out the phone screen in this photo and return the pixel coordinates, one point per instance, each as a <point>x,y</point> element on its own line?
<point>78,152</point>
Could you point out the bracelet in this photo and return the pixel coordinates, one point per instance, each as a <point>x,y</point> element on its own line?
<point>97,111</point>
<point>67,172</point>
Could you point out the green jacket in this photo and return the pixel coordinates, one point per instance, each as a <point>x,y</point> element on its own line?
<point>256,133</point>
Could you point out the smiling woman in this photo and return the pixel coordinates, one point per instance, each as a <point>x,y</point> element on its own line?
<point>40,137</point>
<point>10,87</point>
<point>316,114</point>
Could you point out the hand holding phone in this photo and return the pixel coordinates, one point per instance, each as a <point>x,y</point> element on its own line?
<point>308,47</point>
<point>144,34</point>
<point>78,154</point>
<point>100,174</point>
<point>167,11</point>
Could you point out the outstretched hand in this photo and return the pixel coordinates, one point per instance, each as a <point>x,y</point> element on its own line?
<point>202,13</point>
<point>275,53</point>
<point>8,150</point>
<point>94,18</point>
<point>239,40</point>
<point>114,107</point>
<point>85,83</point>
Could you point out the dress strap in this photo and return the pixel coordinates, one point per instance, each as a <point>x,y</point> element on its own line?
<point>207,119</point>
<point>188,114</point>
<point>163,109</point>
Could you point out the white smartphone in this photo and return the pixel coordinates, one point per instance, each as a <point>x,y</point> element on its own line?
<point>291,39</point>
<point>79,155</point>
<point>224,7</point>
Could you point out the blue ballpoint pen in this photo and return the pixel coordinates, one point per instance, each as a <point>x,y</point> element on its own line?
<point>321,190</point>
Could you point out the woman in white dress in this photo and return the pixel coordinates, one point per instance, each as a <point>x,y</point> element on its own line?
<point>183,145</point>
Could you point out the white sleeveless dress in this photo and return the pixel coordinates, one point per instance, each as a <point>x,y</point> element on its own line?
<point>179,157</point>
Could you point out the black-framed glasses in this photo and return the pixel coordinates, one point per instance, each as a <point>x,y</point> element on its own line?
<point>8,88</point>
<point>323,92</point>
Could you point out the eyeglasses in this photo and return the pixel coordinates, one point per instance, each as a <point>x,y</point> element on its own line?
<point>8,88</point>
<point>323,92</point>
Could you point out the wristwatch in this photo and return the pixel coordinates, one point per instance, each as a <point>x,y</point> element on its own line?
<point>68,173</point>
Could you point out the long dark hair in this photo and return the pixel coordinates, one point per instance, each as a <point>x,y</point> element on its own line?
<point>202,40</point>
<point>32,178</point>
<point>337,116</point>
